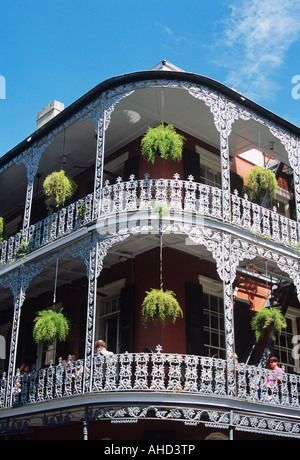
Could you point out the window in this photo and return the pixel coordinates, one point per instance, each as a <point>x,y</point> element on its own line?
<point>210,167</point>
<point>46,353</point>
<point>210,177</point>
<point>283,347</point>
<point>108,315</point>
<point>108,322</point>
<point>214,335</point>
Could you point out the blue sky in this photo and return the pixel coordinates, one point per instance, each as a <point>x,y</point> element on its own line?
<point>60,49</point>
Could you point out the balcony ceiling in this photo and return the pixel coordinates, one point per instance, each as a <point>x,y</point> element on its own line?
<point>75,147</point>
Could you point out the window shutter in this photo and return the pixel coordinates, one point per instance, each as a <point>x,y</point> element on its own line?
<point>242,328</point>
<point>191,165</point>
<point>127,317</point>
<point>131,166</point>
<point>194,319</point>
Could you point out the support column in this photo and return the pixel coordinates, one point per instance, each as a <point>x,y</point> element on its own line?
<point>99,166</point>
<point>91,316</point>
<point>225,172</point>
<point>228,278</point>
<point>19,298</point>
<point>99,247</point>
<point>18,282</point>
<point>28,204</point>
<point>30,158</point>
<point>224,121</point>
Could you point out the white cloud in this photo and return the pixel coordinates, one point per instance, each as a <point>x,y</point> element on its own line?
<point>256,38</point>
<point>166,30</point>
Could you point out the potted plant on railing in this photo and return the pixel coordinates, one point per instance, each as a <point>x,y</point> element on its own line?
<point>162,141</point>
<point>261,184</point>
<point>270,322</point>
<point>50,325</point>
<point>81,211</point>
<point>22,250</point>
<point>58,188</point>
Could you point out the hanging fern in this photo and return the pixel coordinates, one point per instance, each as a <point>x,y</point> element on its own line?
<point>50,325</point>
<point>269,320</point>
<point>261,182</point>
<point>160,306</point>
<point>58,188</point>
<point>164,141</point>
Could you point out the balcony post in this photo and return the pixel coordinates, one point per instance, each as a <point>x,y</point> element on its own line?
<point>98,249</point>
<point>101,127</point>
<point>19,298</point>
<point>18,282</point>
<point>91,316</point>
<point>224,115</point>
<point>28,204</point>
<point>297,193</point>
<point>228,275</point>
<point>30,159</point>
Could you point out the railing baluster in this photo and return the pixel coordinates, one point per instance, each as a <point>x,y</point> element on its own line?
<point>142,374</point>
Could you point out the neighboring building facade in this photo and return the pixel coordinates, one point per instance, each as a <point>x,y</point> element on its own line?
<point>223,256</point>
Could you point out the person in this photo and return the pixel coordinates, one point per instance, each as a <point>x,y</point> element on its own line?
<point>24,369</point>
<point>100,347</point>
<point>277,373</point>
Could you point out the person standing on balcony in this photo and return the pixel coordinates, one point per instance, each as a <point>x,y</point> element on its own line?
<point>276,375</point>
<point>100,347</point>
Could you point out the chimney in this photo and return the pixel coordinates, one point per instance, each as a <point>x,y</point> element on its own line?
<point>49,112</point>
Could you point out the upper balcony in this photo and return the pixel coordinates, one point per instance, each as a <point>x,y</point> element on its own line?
<point>125,204</point>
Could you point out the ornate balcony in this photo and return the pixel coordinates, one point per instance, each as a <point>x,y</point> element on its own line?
<point>188,197</point>
<point>183,380</point>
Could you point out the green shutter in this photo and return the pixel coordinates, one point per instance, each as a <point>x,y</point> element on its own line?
<point>194,319</point>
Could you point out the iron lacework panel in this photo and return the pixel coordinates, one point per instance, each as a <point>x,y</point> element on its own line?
<point>153,372</point>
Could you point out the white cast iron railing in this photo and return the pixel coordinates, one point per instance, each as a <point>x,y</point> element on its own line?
<point>153,372</point>
<point>180,196</point>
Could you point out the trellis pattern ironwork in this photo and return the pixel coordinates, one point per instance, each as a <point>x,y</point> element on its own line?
<point>156,372</point>
<point>140,195</point>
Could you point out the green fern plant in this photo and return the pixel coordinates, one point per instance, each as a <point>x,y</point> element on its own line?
<point>164,141</point>
<point>261,182</point>
<point>50,325</point>
<point>160,306</point>
<point>270,321</point>
<point>58,188</point>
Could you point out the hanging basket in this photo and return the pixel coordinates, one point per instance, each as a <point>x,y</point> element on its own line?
<point>163,141</point>
<point>261,183</point>
<point>160,306</point>
<point>50,325</point>
<point>58,188</point>
<point>268,321</point>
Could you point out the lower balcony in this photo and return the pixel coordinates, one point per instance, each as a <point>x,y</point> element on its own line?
<point>125,388</point>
